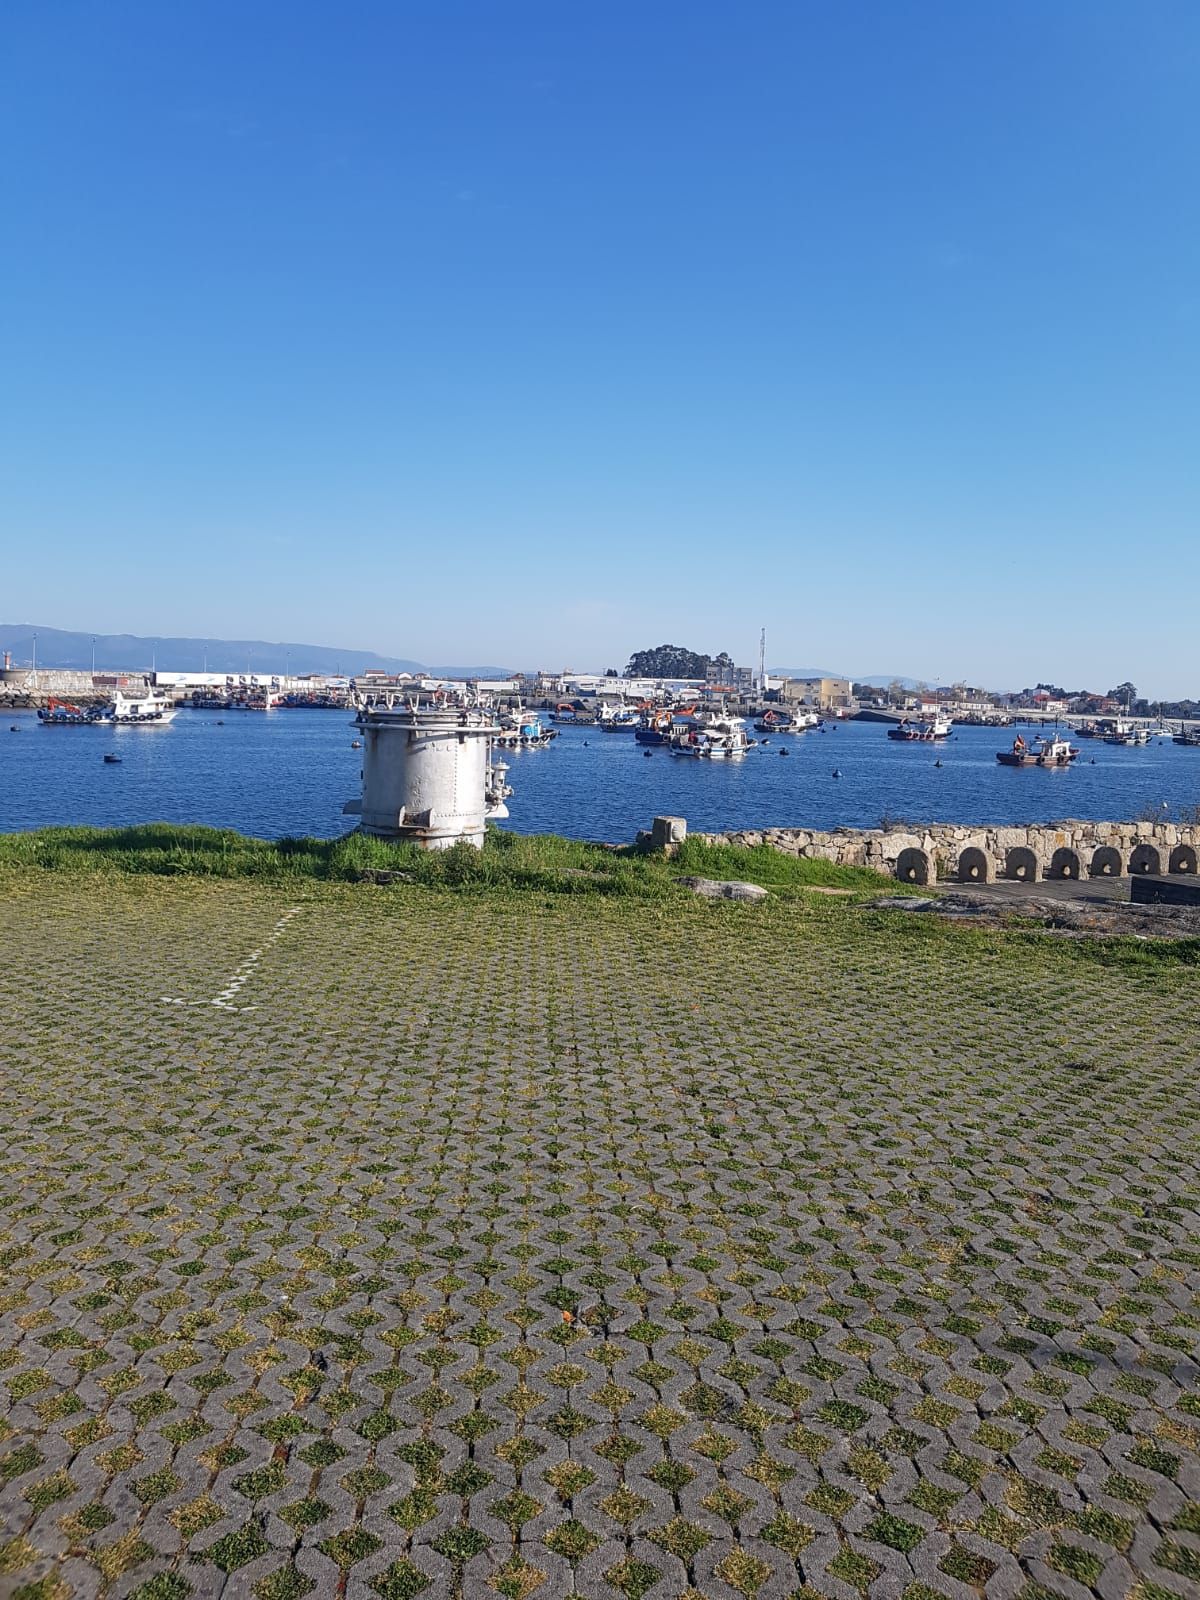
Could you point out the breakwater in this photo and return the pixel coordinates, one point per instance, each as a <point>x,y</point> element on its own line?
<point>946,851</point>
<point>24,688</point>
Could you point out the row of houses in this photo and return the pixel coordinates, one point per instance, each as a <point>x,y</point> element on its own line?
<point>824,694</point>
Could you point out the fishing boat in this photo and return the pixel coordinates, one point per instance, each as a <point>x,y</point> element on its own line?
<point>139,709</point>
<point>721,739</point>
<point>63,714</point>
<point>1184,737</point>
<point>921,732</point>
<point>1128,736</point>
<point>523,730</point>
<point>654,725</point>
<point>777,722</point>
<point>1042,753</point>
<point>616,719</point>
<point>568,713</point>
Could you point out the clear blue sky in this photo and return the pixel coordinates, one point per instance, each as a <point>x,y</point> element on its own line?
<point>539,332</point>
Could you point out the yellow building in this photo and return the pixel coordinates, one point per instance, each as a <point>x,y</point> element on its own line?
<point>826,694</point>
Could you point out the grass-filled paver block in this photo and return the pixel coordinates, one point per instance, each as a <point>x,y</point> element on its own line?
<point>503,1229</point>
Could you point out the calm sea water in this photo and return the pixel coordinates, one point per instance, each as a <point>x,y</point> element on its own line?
<point>290,771</point>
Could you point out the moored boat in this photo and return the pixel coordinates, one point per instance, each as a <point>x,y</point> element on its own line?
<point>146,708</point>
<point>64,714</point>
<point>921,732</point>
<point>721,739</point>
<point>776,722</point>
<point>523,730</point>
<point>1042,753</point>
<point>1119,730</point>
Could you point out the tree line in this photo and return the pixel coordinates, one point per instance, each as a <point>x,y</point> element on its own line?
<point>675,661</point>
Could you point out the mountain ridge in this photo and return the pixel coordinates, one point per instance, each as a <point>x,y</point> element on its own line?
<point>60,647</point>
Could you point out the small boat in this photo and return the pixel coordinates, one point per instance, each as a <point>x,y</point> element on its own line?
<point>1042,753</point>
<point>1192,739</point>
<point>111,760</point>
<point>611,719</point>
<point>139,709</point>
<point>523,730</point>
<point>653,726</point>
<point>1122,732</point>
<point>774,722</point>
<point>63,714</point>
<point>921,732</point>
<point>722,739</point>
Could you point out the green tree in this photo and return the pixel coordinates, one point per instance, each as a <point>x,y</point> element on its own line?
<point>668,661</point>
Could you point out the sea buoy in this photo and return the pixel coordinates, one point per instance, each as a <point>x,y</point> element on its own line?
<point>785,752</point>
<point>646,753</point>
<point>111,760</point>
<point>836,773</point>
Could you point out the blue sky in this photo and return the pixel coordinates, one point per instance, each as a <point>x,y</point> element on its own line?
<point>538,332</point>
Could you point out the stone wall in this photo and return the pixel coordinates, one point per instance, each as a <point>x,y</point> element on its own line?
<point>950,852</point>
<point>21,686</point>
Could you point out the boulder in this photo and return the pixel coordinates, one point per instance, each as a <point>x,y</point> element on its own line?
<point>714,889</point>
<point>893,843</point>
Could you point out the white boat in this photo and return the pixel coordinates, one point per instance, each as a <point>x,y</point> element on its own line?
<point>1042,753</point>
<point>1123,732</point>
<point>922,732</point>
<point>781,722</point>
<point>616,719</point>
<point>146,708</point>
<point>722,739</point>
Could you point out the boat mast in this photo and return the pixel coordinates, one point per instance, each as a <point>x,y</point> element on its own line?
<point>762,662</point>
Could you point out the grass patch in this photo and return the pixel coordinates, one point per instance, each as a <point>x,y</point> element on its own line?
<point>542,862</point>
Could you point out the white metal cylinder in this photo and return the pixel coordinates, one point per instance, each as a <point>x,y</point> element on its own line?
<point>425,773</point>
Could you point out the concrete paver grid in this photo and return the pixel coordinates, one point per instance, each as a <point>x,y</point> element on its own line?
<point>877,1249</point>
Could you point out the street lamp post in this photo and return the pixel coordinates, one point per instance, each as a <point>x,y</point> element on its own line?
<point>35,655</point>
<point>93,658</point>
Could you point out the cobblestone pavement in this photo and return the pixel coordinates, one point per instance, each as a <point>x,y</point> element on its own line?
<point>565,1246</point>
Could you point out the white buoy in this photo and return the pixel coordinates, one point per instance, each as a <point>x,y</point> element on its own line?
<point>427,773</point>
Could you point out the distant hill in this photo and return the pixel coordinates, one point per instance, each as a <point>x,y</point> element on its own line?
<point>881,680</point>
<point>117,651</point>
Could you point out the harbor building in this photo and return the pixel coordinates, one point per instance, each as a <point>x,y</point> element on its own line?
<point>823,694</point>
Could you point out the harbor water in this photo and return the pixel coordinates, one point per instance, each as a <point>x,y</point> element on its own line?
<point>289,772</point>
